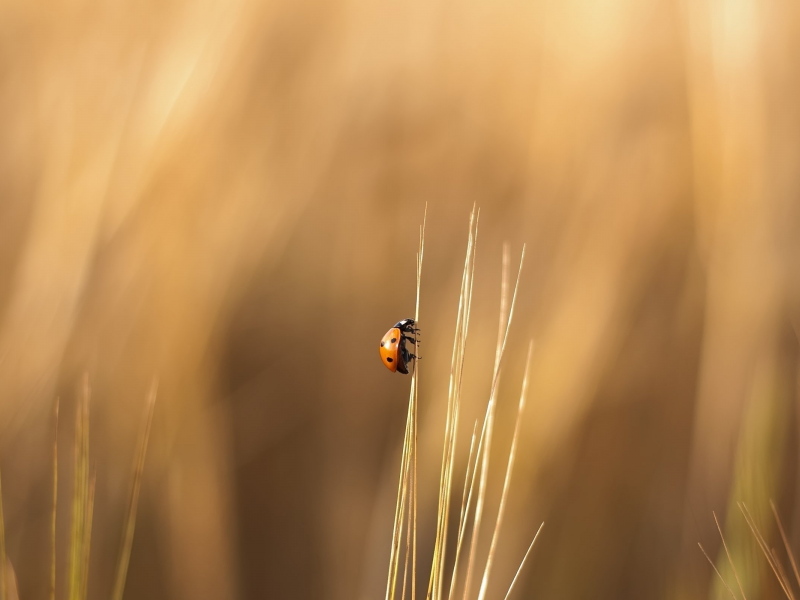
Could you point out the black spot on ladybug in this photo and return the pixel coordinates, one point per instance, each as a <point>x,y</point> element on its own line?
<point>388,359</point>
<point>394,340</point>
<point>381,344</point>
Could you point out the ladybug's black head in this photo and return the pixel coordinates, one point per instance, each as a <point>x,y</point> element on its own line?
<point>406,325</point>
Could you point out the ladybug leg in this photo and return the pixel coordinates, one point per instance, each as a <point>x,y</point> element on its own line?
<point>410,339</point>
<point>405,358</point>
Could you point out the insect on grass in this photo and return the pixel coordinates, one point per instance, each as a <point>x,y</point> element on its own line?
<point>478,459</point>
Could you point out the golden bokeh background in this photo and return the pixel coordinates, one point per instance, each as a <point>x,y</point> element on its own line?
<point>227,195</point>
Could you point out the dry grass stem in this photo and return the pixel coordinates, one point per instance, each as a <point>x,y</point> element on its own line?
<point>490,409</point>
<point>415,387</point>
<point>477,460</point>
<point>400,506</point>
<point>451,423</point>
<point>462,531</point>
<point>713,566</point>
<point>408,546</point>
<point>87,536</point>
<point>133,500</point>
<point>55,506</point>
<point>728,554</point>
<point>464,515</point>
<point>80,501</point>
<point>781,570</point>
<point>507,481</point>
<point>522,564</point>
<point>405,490</point>
<point>764,548</point>
<point>786,542</point>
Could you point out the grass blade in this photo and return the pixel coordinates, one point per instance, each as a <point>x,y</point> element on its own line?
<point>489,425</point>
<point>55,505</point>
<point>399,506</point>
<point>80,495</point>
<point>415,386</point>
<point>404,490</point>
<point>466,497</point>
<point>785,542</point>
<point>764,548</point>
<point>781,570</point>
<point>507,481</point>
<point>451,422</point>
<point>87,537</point>
<point>713,566</point>
<point>727,552</point>
<point>133,501</point>
<point>522,564</point>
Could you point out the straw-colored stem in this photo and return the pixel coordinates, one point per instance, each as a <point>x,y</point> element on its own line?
<point>408,547</point>
<point>451,421</point>
<point>80,495</point>
<point>133,500</point>
<point>459,384</point>
<point>464,516</point>
<point>713,566</point>
<point>415,386</point>
<point>786,542</point>
<point>507,481</point>
<point>55,506</point>
<point>408,457</point>
<point>727,552</point>
<point>489,428</point>
<point>522,564</point>
<point>781,570</point>
<point>87,541</point>
<point>399,507</point>
<point>764,548</point>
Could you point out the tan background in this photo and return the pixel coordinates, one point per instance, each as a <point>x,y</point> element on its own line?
<point>227,195</point>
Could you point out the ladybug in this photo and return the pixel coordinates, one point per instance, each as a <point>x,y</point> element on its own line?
<point>394,353</point>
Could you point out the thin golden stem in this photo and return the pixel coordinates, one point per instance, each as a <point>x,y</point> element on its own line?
<point>507,481</point>
<point>462,520</point>
<point>55,505</point>
<point>133,500</point>
<point>781,570</point>
<point>786,542</point>
<point>399,507</point>
<point>713,566</point>
<point>451,423</point>
<point>407,491</point>
<point>489,428</point>
<point>522,564</point>
<point>764,548</point>
<point>727,552</point>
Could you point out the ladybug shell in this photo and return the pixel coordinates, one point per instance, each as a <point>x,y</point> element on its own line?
<point>390,349</point>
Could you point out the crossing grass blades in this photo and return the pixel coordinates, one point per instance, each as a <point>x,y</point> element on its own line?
<point>442,585</point>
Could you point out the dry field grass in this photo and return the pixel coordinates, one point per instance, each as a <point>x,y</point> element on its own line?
<point>227,196</point>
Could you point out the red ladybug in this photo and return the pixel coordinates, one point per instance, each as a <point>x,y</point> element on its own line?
<point>394,353</point>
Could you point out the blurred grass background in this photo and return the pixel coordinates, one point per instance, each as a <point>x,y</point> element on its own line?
<point>228,194</point>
